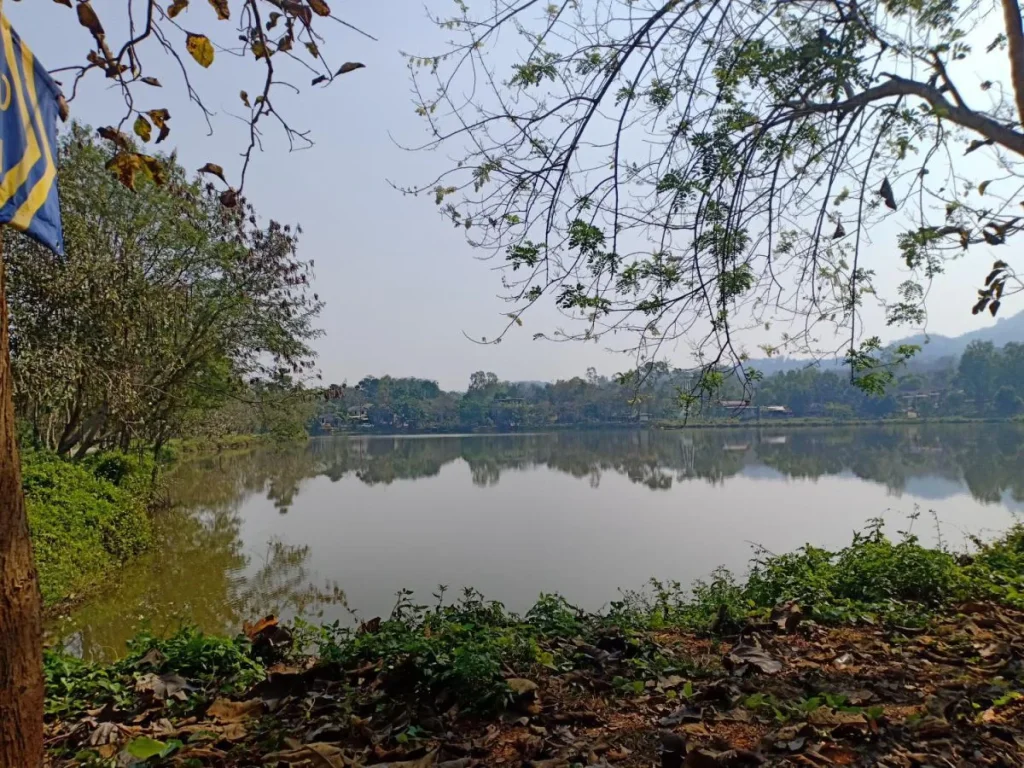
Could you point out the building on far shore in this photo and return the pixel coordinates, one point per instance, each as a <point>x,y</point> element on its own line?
<point>743,409</point>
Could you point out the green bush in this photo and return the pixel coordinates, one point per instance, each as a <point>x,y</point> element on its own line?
<point>872,571</point>
<point>212,665</point>
<point>873,577</point>
<point>85,518</point>
<point>459,650</point>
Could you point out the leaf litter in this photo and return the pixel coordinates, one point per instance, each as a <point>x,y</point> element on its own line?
<point>780,692</point>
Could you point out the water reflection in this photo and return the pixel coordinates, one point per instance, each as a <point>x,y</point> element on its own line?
<point>987,458</point>
<point>267,531</point>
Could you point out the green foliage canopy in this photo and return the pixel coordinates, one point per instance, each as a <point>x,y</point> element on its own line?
<point>167,304</point>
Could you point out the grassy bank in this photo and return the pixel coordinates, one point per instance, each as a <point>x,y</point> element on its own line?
<point>878,650</point>
<point>86,518</point>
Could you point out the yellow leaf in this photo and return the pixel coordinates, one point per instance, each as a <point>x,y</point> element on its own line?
<point>320,8</point>
<point>260,50</point>
<point>221,7</point>
<point>154,168</point>
<point>983,186</point>
<point>142,128</point>
<point>350,66</point>
<point>177,7</point>
<point>313,50</point>
<point>285,43</point>
<point>125,165</point>
<point>245,99</point>
<point>201,49</point>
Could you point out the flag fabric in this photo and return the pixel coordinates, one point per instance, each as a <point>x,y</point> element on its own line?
<point>29,107</point>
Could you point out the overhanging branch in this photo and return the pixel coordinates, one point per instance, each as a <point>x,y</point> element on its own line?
<point>900,86</point>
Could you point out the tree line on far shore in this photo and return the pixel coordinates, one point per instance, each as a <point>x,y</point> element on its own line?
<point>983,383</point>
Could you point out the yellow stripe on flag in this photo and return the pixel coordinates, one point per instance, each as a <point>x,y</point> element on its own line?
<point>41,189</point>
<point>18,175</point>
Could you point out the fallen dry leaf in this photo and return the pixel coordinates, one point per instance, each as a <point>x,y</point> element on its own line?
<point>227,711</point>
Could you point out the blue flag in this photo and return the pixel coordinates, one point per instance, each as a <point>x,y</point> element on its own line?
<point>29,107</point>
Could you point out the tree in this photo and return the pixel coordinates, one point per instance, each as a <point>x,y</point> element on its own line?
<point>978,371</point>
<point>166,303</point>
<point>278,35</point>
<point>685,168</point>
<point>1007,402</point>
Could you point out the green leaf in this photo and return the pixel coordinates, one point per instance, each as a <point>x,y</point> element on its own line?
<point>144,748</point>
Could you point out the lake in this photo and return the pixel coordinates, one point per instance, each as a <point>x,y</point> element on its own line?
<point>343,523</point>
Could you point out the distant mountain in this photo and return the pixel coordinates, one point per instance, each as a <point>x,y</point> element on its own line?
<point>935,346</point>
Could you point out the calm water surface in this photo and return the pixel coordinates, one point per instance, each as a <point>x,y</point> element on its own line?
<point>300,530</point>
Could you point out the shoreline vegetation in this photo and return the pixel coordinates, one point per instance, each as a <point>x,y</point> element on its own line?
<point>885,652</point>
<point>86,517</point>
<point>90,517</point>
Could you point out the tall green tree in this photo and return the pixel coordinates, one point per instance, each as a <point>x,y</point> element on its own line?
<point>979,371</point>
<point>166,303</point>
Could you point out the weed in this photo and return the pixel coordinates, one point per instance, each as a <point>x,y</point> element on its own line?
<point>460,650</point>
<point>217,664</point>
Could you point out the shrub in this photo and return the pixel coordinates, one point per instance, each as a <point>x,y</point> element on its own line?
<point>458,651</point>
<point>85,518</point>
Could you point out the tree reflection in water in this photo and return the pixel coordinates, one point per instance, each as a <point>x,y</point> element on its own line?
<point>986,457</point>
<point>201,573</point>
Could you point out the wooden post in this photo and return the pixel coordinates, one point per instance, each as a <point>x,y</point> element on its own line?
<point>21,637</point>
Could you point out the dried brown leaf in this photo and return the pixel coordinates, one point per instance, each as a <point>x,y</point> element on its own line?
<point>112,134</point>
<point>215,170</point>
<point>222,9</point>
<point>227,711</point>
<point>886,192</point>
<point>160,118</point>
<point>87,18</point>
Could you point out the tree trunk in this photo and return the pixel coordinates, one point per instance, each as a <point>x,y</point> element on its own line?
<point>21,657</point>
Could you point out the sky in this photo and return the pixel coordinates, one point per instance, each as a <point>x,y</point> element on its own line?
<point>402,287</point>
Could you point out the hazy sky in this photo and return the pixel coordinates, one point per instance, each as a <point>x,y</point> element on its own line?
<point>401,284</point>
